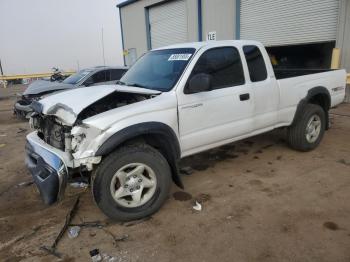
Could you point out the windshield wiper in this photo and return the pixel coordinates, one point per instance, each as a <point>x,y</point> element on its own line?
<point>120,83</point>
<point>132,84</point>
<point>138,85</point>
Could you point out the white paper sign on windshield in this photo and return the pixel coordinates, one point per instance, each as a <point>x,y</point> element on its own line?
<point>177,57</point>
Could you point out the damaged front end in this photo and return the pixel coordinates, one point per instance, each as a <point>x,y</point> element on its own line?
<point>47,155</point>
<point>48,169</point>
<point>58,150</point>
<point>50,156</point>
<point>22,107</point>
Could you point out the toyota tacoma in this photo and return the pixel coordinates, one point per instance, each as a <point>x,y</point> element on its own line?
<point>128,138</point>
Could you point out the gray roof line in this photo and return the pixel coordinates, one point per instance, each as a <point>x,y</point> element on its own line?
<point>128,2</point>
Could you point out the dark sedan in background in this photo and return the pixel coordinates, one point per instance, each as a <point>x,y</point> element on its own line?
<point>101,75</point>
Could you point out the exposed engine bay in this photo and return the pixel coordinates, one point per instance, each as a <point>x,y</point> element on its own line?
<point>114,100</point>
<point>50,131</point>
<point>58,135</point>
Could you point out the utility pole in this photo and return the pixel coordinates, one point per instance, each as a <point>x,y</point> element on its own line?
<point>78,65</point>
<point>103,48</point>
<point>2,74</point>
<point>1,71</point>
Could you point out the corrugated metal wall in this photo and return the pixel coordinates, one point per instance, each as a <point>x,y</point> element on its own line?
<point>343,38</point>
<point>288,22</point>
<point>219,16</point>
<point>275,22</point>
<point>168,23</point>
<point>134,24</point>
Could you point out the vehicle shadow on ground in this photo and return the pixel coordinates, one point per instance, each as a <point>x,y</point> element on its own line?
<point>254,145</point>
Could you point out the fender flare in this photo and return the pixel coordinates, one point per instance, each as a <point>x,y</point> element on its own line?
<point>172,146</point>
<point>311,93</point>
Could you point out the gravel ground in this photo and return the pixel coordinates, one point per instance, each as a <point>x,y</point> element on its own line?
<point>261,202</point>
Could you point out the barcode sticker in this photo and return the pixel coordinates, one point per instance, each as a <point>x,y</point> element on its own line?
<point>176,57</point>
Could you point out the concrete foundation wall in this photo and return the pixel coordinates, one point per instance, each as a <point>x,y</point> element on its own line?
<point>347,94</point>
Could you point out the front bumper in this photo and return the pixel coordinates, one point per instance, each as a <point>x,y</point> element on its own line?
<point>48,169</point>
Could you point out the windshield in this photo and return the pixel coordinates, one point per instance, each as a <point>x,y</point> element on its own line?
<point>77,77</point>
<point>158,70</point>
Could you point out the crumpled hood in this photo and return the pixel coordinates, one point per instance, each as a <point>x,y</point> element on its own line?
<point>42,86</point>
<point>67,105</point>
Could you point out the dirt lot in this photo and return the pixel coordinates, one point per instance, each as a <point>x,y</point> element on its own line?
<point>261,202</point>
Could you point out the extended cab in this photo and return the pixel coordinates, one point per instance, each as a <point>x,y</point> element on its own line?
<point>175,101</point>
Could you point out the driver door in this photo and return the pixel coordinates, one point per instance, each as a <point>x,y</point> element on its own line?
<point>211,118</point>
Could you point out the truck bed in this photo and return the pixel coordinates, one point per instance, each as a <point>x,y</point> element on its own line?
<point>295,84</point>
<point>287,73</point>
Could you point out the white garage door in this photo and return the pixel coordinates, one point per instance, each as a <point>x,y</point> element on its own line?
<point>287,22</point>
<point>168,23</point>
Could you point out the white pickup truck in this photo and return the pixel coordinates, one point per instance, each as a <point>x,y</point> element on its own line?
<point>175,101</point>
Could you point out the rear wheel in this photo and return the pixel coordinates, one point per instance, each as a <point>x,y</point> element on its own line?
<point>307,132</point>
<point>132,182</point>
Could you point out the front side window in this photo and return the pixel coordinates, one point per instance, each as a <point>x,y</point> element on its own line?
<point>255,62</point>
<point>223,65</point>
<point>159,69</point>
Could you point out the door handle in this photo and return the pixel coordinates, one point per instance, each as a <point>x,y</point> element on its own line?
<point>244,97</point>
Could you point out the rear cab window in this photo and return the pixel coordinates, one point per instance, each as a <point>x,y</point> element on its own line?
<point>256,64</point>
<point>101,76</point>
<point>223,64</point>
<point>116,74</point>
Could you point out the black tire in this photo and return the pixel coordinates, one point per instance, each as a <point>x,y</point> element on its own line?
<point>296,134</point>
<point>102,178</point>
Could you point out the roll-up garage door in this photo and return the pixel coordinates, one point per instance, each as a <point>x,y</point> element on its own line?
<point>289,22</point>
<point>168,23</point>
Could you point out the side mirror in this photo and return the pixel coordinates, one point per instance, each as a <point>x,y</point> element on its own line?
<point>89,82</point>
<point>199,83</point>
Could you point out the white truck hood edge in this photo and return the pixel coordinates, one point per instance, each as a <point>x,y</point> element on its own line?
<point>67,105</point>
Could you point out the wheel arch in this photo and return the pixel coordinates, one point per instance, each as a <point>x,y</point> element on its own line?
<point>156,134</point>
<point>318,95</point>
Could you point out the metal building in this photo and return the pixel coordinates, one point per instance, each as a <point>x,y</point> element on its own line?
<point>296,32</point>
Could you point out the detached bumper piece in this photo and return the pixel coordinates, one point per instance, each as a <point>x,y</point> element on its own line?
<point>22,110</point>
<point>47,169</point>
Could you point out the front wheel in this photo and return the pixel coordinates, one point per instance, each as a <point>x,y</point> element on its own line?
<point>307,132</point>
<point>132,183</point>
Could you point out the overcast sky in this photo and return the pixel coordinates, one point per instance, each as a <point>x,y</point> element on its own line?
<point>36,35</point>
